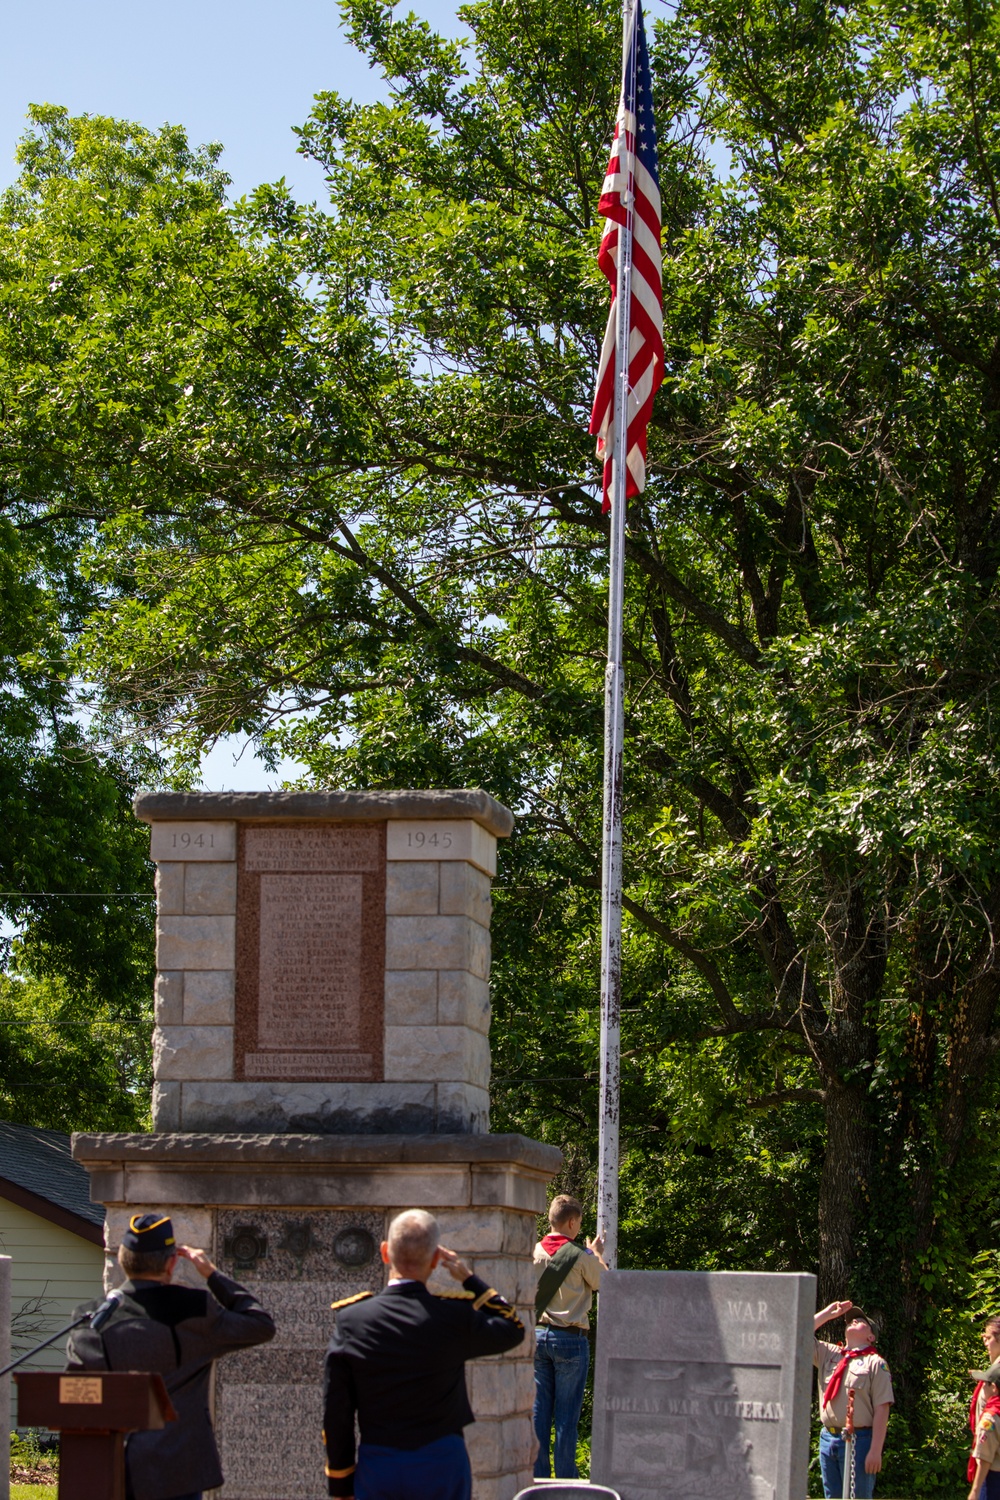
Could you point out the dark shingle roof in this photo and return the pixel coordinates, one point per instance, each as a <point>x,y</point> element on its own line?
<point>40,1161</point>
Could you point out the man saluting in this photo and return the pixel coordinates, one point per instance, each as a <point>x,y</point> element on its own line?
<point>398,1361</point>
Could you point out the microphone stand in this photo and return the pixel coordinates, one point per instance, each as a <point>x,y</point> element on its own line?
<point>45,1344</point>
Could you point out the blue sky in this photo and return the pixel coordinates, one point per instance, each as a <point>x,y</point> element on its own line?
<point>240,73</point>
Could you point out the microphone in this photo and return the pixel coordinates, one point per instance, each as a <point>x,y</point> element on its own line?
<point>101,1314</point>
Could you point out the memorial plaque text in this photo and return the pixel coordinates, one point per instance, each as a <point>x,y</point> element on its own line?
<point>310,953</point>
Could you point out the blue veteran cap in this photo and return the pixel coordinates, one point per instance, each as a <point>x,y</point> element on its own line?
<point>149,1234</point>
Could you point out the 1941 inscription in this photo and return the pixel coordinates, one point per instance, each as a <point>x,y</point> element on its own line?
<point>310,953</point>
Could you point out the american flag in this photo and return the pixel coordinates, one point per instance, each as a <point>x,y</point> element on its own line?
<point>630,202</point>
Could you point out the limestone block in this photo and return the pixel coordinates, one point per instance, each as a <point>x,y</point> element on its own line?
<point>462,1000</point>
<point>309,1108</point>
<point>107,1185</point>
<point>468,1107</point>
<point>181,1052</point>
<point>429,1052</point>
<point>411,889</point>
<point>170,889</point>
<point>482,1232</point>
<point>168,997</point>
<point>516,1441</point>
<point>166,1106</point>
<point>411,997</point>
<point>200,840</point>
<point>465,892</point>
<point>394,1187</point>
<point>210,890</point>
<point>434,943</point>
<point>477,1053</point>
<point>210,996</point>
<point>492,1387</point>
<point>196,942</point>
<point>523,1397</point>
<point>442,838</point>
<point>495,1187</point>
<point>520,1234</point>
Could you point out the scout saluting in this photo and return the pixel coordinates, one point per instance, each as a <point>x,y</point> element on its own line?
<point>398,1361</point>
<point>854,1366</point>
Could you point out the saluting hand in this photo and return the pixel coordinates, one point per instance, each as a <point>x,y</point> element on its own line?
<point>455,1267</point>
<point>198,1259</point>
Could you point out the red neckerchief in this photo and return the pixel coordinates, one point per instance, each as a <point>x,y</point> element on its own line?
<point>991,1405</point>
<point>837,1378</point>
<point>553,1242</point>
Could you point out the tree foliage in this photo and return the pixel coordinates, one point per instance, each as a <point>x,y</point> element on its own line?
<point>334,466</point>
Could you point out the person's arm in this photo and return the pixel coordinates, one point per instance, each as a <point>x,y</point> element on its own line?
<point>827,1314</point>
<point>339,1405</point>
<point>496,1327</point>
<point>982,1469</point>
<point>880,1421</point>
<point>242,1322</point>
<point>84,1348</point>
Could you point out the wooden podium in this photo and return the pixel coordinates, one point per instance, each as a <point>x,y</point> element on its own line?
<point>92,1413</point>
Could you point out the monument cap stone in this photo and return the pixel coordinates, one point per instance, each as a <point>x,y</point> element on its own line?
<point>703,1384</point>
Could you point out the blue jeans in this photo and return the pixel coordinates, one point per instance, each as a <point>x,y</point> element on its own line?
<point>562,1358</point>
<point>437,1471</point>
<point>831,1463</point>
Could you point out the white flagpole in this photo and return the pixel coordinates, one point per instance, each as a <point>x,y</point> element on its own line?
<point>614,730</point>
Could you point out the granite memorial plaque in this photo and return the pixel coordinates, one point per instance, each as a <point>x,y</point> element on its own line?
<point>268,1400</point>
<point>702,1385</point>
<point>310,952</point>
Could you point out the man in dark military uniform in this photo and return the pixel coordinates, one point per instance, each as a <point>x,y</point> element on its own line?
<point>398,1361</point>
<point>177,1331</point>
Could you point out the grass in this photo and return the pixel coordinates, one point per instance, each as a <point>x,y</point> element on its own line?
<point>32,1491</point>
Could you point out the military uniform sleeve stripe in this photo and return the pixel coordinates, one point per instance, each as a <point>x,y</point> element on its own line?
<point>339,1473</point>
<point>485,1297</point>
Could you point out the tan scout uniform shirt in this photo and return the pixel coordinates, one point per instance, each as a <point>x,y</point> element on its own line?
<point>868,1377</point>
<point>987,1445</point>
<point>570,1307</point>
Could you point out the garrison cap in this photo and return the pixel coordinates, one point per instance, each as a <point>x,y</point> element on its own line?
<point>151,1234</point>
<point>992,1374</point>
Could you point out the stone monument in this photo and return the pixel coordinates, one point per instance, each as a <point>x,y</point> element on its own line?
<point>702,1385</point>
<point>321,1062</point>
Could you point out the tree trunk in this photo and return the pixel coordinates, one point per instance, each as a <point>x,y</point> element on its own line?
<point>844,1186</point>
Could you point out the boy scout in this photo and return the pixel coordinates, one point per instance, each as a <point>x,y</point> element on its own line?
<point>984,1465</point>
<point>854,1366</point>
<point>397,1362</point>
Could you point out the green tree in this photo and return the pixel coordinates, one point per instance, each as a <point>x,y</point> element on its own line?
<point>345,502</point>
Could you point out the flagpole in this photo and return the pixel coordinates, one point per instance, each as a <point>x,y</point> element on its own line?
<point>614,731</point>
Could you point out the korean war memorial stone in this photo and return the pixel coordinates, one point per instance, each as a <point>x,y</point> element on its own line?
<point>702,1385</point>
<point>321,1062</point>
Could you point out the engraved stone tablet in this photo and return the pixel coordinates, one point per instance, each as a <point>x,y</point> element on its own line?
<point>442,838</point>
<point>702,1385</point>
<point>192,841</point>
<point>310,953</point>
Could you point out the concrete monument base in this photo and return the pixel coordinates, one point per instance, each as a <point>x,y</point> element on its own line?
<point>298,1218</point>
